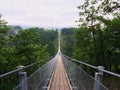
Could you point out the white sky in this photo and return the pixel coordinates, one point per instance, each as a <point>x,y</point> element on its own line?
<point>42,13</point>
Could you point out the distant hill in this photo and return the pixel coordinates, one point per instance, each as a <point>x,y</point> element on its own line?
<point>14,29</point>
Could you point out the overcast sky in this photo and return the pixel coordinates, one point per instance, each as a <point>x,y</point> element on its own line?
<point>41,13</point>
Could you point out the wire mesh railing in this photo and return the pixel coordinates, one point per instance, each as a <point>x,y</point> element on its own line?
<point>10,79</point>
<point>39,79</point>
<point>79,79</point>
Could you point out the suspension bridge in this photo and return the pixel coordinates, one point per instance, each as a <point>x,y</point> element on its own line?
<point>60,73</point>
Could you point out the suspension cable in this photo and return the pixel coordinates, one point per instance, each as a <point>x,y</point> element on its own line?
<point>16,70</point>
<point>94,67</point>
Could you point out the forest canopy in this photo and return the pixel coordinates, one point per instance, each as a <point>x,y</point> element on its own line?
<point>20,46</point>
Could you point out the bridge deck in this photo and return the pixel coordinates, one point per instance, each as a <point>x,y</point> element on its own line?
<point>59,80</point>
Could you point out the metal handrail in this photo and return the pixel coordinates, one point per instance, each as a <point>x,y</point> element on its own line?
<point>111,73</point>
<point>8,73</point>
<point>16,70</point>
<point>94,67</point>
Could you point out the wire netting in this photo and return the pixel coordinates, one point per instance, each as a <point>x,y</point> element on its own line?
<point>79,79</point>
<point>39,80</point>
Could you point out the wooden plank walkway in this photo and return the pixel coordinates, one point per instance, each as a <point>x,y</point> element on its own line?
<point>59,80</point>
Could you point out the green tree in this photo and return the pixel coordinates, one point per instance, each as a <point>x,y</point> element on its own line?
<point>83,48</point>
<point>3,31</point>
<point>49,37</point>
<point>95,15</point>
<point>28,46</point>
<point>67,40</point>
<point>112,45</point>
<point>3,39</point>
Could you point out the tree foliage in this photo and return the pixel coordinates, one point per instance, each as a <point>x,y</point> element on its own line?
<point>67,40</point>
<point>98,36</point>
<point>97,15</point>
<point>25,47</point>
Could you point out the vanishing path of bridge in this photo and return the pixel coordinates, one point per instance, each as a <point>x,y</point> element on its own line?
<point>59,79</point>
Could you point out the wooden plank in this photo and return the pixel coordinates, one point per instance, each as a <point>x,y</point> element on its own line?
<point>59,80</point>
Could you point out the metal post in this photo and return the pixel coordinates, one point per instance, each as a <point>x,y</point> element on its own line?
<point>23,77</point>
<point>98,78</point>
